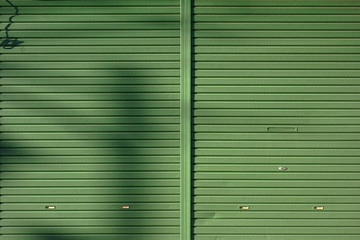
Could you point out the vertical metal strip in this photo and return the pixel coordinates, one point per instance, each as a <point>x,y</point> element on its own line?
<point>185,118</point>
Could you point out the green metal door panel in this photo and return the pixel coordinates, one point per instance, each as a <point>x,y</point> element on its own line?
<point>96,120</point>
<point>90,120</point>
<point>276,120</point>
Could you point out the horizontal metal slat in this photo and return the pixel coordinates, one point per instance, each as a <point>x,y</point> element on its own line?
<point>278,136</point>
<point>276,97</point>
<point>109,58</point>
<point>93,18</point>
<point>92,230</point>
<point>266,113</point>
<point>89,120</point>
<point>270,26</point>
<point>90,175</point>
<point>116,151</point>
<point>56,10</point>
<point>91,128</point>
<point>136,208</point>
<point>276,49</point>
<point>88,199</point>
<point>87,65</point>
<point>105,96</point>
<point>91,191</point>
<point>259,65</point>
<point>90,49</point>
<point>272,237</point>
<point>90,136</point>
<point>276,159</point>
<point>284,10</point>
<point>111,3</point>
<point>287,3</point>
<point>274,209</point>
<point>270,183</point>
<point>87,222</point>
<point>245,168</point>
<point>267,89</point>
<point>93,159</point>
<point>90,183</point>
<point>276,192</point>
<point>88,104</point>
<point>89,214</point>
<point>268,152</point>
<point>269,176</point>
<point>272,105</point>
<point>90,112</point>
<point>275,42</point>
<point>281,82</point>
<point>91,144</point>
<point>176,18</point>
<point>270,144</point>
<point>97,237</point>
<point>281,222</point>
<point>133,81</point>
<point>101,26</point>
<point>92,34</point>
<point>92,89</point>
<point>273,57</point>
<point>269,212</point>
<point>284,230</point>
<point>257,73</point>
<point>100,42</point>
<point>269,128</point>
<point>274,18</point>
<point>89,73</point>
<point>276,120</point>
<point>275,34</point>
<point>90,167</point>
<point>277,199</point>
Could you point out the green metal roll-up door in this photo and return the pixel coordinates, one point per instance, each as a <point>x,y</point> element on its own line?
<point>276,114</point>
<point>90,120</point>
<point>98,131</point>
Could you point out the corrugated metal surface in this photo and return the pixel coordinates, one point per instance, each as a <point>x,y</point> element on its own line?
<point>90,120</point>
<point>277,85</point>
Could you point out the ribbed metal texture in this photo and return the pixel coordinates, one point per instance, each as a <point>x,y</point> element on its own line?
<point>277,120</point>
<point>90,120</point>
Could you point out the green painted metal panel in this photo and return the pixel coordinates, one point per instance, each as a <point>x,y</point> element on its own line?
<point>185,122</point>
<point>90,120</point>
<point>96,116</point>
<point>276,120</point>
